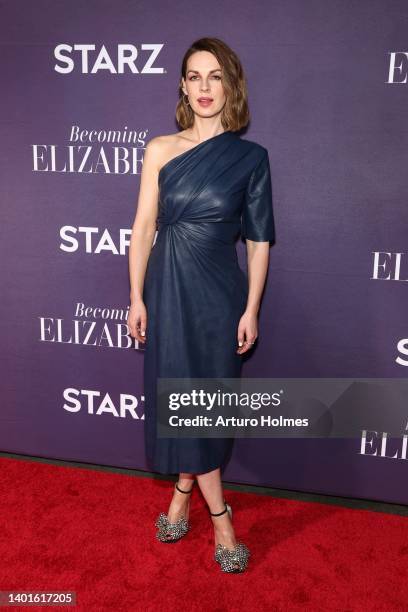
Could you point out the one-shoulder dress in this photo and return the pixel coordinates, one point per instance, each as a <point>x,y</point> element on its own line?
<point>195,291</point>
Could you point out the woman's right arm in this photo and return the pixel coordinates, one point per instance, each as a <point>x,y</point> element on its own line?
<point>141,241</point>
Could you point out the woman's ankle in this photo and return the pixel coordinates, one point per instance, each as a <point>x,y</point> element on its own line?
<point>226,537</point>
<point>185,483</point>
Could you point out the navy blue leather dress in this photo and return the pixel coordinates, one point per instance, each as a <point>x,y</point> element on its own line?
<point>195,291</point>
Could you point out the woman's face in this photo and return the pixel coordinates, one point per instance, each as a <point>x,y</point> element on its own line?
<point>203,84</point>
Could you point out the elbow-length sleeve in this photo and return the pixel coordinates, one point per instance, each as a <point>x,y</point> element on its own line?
<point>257,221</point>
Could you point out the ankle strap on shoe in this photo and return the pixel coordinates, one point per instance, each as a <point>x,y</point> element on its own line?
<point>181,490</point>
<point>222,511</point>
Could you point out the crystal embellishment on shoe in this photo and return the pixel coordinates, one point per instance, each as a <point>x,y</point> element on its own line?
<point>233,561</point>
<point>171,532</point>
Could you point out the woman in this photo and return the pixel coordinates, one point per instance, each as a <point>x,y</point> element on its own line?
<point>204,185</point>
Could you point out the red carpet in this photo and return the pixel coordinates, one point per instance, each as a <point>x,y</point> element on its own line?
<point>92,532</point>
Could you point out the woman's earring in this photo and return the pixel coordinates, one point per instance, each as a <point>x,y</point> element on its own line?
<point>184,98</point>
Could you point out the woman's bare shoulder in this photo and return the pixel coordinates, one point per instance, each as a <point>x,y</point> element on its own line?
<point>159,142</point>
<point>165,146</point>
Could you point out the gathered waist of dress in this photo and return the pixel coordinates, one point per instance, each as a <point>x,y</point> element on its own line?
<point>202,229</point>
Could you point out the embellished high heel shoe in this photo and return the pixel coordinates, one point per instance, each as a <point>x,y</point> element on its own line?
<point>171,532</point>
<point>233,560</point>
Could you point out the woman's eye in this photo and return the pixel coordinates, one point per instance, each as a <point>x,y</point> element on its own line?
<point>194,77</point>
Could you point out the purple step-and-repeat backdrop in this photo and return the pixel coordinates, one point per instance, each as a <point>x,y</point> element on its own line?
<point>83,90</point>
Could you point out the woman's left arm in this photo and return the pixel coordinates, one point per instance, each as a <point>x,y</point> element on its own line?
<point>258,260</point>
<point>258,229</point>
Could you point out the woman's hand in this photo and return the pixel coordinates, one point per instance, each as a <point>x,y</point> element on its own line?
<point>137,320</point>
<point>247,331</point>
